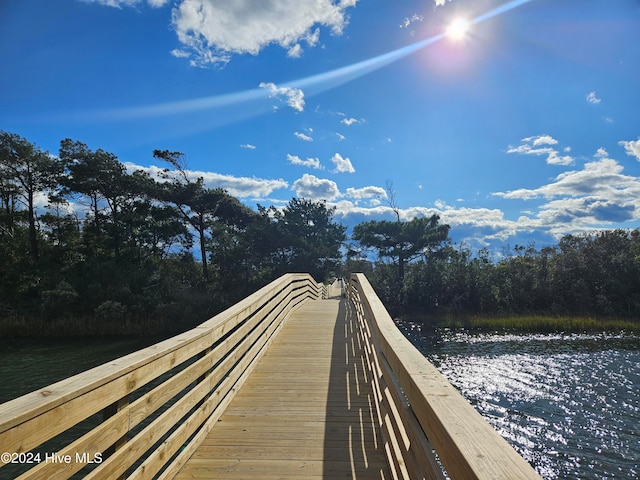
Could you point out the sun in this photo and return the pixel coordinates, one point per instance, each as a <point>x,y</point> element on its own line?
<point>458,29</point>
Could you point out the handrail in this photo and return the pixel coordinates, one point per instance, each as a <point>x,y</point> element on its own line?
<point>419,411</point>
<point>157,404</point>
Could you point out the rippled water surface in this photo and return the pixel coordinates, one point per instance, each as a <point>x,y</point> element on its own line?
<point>569,404</point>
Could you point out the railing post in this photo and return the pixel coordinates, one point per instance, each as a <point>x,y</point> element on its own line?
<point>204,376</point>
<point>107,413</point>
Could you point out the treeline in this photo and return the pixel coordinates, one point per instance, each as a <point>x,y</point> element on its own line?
<point>590,275</point>
<point>88,247</point>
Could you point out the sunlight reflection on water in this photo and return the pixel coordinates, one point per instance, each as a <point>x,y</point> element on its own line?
<point>568,403</point>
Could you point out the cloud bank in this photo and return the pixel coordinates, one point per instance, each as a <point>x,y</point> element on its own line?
<point>241,187</point>
<point>597,195</point>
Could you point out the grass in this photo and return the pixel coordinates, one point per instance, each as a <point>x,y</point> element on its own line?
<point>533,323</point>
<point>23,327</point>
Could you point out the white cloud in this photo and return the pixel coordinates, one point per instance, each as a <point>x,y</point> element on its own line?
<point>542,145</point>
<point>541,140</point>
<point>632,147</point>
<point>217,29</point>
<point>250,187</point>
<point>248,146</point>
<point>179,53</point>
<point>482,218</point>
<point>350,121</point>
<point>343,165</point>
<point>303,136</point>
<point>309,162</point>
<point>556,159</point>
<point>295,51</point>
<point>367,192</point>
<point>128,3</point>
<point>242,187</point>
<point>591,98</point>
<point>314,188</point>
<point>528,150</point>
<point>293,96</point>
<point>408,21</point>
<point>349,210</point>
<point>340,137</point>
<point>312,39</point>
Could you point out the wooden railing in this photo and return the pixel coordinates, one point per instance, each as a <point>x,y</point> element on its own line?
<point>420,413</point>
<point>144,414</point>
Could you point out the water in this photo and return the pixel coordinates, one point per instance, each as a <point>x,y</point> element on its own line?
<point>569,404</point>
<point>26,365</point>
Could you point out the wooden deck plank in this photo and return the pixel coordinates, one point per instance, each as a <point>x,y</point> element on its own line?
<point>305,412</point>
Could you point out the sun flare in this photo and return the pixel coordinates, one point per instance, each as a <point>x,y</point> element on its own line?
<point>458,29</point>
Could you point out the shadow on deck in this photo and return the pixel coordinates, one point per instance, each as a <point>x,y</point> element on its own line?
<point>352,438</point>
<point>306,411</point>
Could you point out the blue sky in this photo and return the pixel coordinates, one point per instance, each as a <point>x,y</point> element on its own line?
<point>524,129</point>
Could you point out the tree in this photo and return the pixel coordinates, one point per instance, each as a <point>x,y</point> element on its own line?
<point>199,206</point>
<point>303,237</point>
<point>401,241</point>
<point>25,172</point>
<point>316,239</point>
<point>101,178</point>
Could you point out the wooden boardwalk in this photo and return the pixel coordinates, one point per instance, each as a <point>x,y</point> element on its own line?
<point>282,384</point>
<point>305,412</point>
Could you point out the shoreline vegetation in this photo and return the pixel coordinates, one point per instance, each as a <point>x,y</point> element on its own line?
<point>528,323</point>
<point>24,328</point>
